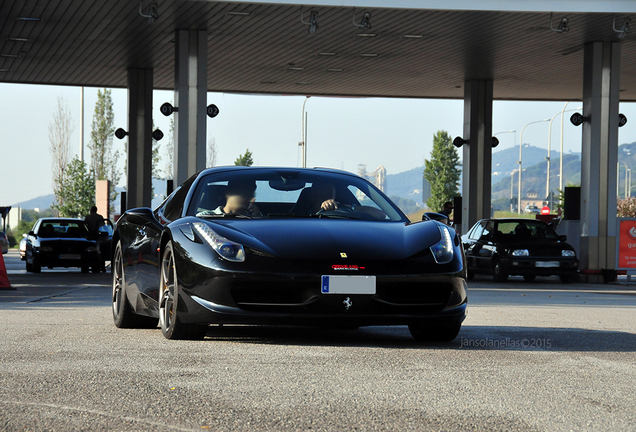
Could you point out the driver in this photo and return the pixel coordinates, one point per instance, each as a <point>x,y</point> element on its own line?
<point>239,199</point>
<point>322,196</point>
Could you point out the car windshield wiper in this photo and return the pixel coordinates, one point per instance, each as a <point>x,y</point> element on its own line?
<point>224,215</point>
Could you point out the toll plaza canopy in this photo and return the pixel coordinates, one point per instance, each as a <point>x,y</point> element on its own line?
<point>421,49</point>
<point>476,50</point>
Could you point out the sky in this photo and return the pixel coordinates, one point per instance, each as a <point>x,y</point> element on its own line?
<point>342,132</point>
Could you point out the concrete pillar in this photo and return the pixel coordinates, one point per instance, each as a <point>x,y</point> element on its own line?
<point>139,181</point>
<point>190,99</point>
<point>477,161</point>
<point>601,75</point>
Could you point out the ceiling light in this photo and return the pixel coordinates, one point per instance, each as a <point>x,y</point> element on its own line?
<point>334,70</point>
<point>28,19</point>
<point>327,54</point>
<point>296,68</point>
<point>368,55</point>
<point>9,55</point>
<point>413,36</point>
<point>239,13</point>
<point>304,83</point>
<point>17,39</point>
<point>4,70</point>
<point>268,82</point>
<point>366,35</point>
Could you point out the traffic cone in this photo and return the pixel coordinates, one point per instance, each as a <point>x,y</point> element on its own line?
<point>4,278</point>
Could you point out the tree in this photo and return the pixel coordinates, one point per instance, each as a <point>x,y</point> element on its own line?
<point>60,130</point>
<point>156,156</point>
<point>442,171</point>
<point>76,189</point>
<point>103,164</point>
<point>212,153</point>
<point>245,159</point>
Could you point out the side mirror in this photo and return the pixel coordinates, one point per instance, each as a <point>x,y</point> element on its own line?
<point>24,235</point>
<point>435,216</point>
<point>563,238</point>
<point>31,233</point>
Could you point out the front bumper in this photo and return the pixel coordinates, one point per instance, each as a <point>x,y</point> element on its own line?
<point>221,296</point>
<point>544,266</point>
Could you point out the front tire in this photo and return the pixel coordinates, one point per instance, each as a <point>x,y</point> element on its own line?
<point>423,331</point>
<point>498,274</point>
<point>122,311</point>
<point>36,267</point>
<point>171,326</point>
<point>568,278</point>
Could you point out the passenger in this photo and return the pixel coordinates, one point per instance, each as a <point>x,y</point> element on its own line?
<point>239,199</point>
<point>93,221</point>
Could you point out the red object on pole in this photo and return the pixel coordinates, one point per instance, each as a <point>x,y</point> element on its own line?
<point>545,210</point>
<point>4,278</point>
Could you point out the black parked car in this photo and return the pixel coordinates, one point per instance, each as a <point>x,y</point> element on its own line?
<point>525,247</point>
<point>61,242</point>
<point>285,246</point>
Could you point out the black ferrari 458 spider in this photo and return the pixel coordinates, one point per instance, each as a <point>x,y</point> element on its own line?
<point>312,247</point>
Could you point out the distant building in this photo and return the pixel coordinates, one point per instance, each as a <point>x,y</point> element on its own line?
<point>377,177</point>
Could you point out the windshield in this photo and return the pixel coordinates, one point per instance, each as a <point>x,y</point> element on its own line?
<point>66,229</point>
<point>522,230</point>
<point>290,194</point>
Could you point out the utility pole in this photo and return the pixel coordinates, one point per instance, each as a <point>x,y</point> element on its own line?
<point>81,133</point>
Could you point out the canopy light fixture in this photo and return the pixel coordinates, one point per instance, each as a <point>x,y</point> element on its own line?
<point>563,26</point>
<point>369,55</point>
<point>239,13</point>
<point>366,35</point>
<point>9,55</point>
<point>268,82</point>
<point>17,39</point>
<point>624,30</point>
<point>335,70</point>
<point>365,23</point>
<point>313,20</point>
<point>295,68</point>
<point>28,19</point>
<point>152,13</point>
<point>328,54</point>
<point>304,82</point>
<point>412,36</point>
<point>5,70</point>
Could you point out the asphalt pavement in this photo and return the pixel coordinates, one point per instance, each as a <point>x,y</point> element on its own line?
<point>530,356</point>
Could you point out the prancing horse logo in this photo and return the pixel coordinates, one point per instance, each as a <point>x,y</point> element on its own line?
<point>347,303</point>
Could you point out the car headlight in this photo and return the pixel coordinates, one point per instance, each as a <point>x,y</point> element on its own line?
<point>520,252</point>
<point>46,249</point>
<point>568,253</point>
<point>228,249</point>
<point>92,249</point>
<point>443,250</point>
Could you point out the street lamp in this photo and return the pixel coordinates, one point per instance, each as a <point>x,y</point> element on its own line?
<point>303,133</point>
<point>520,160</point>
<point>547,185</point>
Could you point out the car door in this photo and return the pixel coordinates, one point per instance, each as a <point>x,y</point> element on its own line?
<point>470,243</point>
<point>487,247</point>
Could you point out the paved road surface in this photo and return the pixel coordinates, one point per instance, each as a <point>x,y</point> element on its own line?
<point>540,356</point>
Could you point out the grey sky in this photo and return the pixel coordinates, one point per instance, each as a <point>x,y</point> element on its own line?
<point>342,132</point>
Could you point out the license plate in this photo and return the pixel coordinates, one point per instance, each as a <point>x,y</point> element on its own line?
<point>348,285</point>
<point>70,256</point>
<point>548,264</point>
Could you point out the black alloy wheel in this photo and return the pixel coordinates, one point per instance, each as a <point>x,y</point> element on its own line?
<point>498,274</point>
<point>171,326</point>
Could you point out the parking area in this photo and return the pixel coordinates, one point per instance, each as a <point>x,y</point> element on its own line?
<point>530,356</point>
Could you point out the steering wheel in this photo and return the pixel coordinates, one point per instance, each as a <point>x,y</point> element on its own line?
<point>341,209</point>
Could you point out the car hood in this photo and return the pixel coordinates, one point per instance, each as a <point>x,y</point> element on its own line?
<point>327,238</point>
